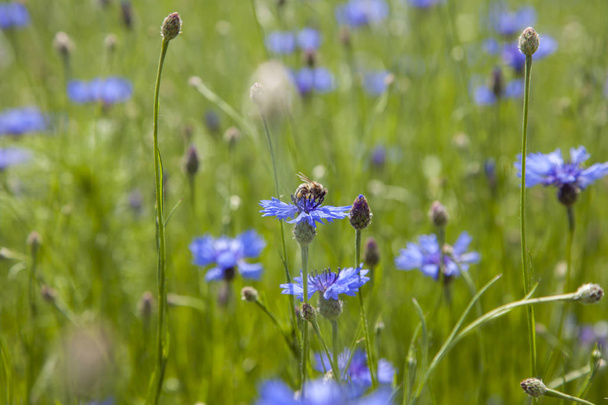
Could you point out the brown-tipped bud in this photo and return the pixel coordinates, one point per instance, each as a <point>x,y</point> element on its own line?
<point>438,214</point>
<point>533,387</point>
<point>145,305</point>
<point>34,241</point>
<point>303,233</point>
<point>110,42</point>
<point>498,83</point>
<point>249,294</point>
<point>48,294</point>
<point>257,94</point>
<point>63,44</point>
<point>529,41</point>
<point>172,26</point>
<point>127,13</point>
<point>567,194</point>
<point>345,37</point>
<point>309,313</point>
<point>330,309</point>
<point>310,58</point>
<point>231,136</point>
<point>360,215</point>
<point>192,161</point>
<point>589,293</point>
<point>372,253</point>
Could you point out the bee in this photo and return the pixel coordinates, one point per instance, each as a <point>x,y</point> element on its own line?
<point>310,190</point>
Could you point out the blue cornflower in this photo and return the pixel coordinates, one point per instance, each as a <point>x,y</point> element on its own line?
<point>309,39</point>
<point>591,334</point>
<point>378,155</point>
<point>512,56</point>
<point>308,80</point>
<point>570,178</point>
<point>426,256</point>
<point>18,121</point>
<point>376,83</point>
<point>356,13</point>
<point>424,3</point>
<point>13,156</point>
<point>229,255</point>
<point>303,210</point>
<point>357,372</point>
<point>13,14</point>
<point>109,91</point>
<point>319,392</point>
<point>330,285</point>
<point>509,23</point>
<point>281,42</point>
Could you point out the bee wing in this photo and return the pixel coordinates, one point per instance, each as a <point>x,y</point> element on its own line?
<point>304,177</point>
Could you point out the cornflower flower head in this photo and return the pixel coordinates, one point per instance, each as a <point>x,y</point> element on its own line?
<point>329,284</point>
<point>308,80</point>
<point>281,42</point>
<point>357,13</point>
<point>320,392</point>
<point>356,371</point>
<point>512,56</point>
<point>13,156</point>
<point>378,155</point>
<point>423,3</point>
<point>376,83</point>
<point>110,90</point>
<point>426,256</point>
<point>309,39</point>
<point>569,177</point>
<point>13,15</point>
<point>18,121</point>
<point>229,255</point>
<point>508,23</point>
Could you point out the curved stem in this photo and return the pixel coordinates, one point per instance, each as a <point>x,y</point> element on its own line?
<point>304,351</point>
<point>335,348</point>
<point>334,363</point>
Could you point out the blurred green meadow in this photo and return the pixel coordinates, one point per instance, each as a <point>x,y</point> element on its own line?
<point>88,192</point>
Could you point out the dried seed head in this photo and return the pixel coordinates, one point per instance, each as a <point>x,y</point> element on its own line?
<point>529,41</point>
<point>360,215</point>
<point>438,214</point>
<point>172,27</point>
<point>257,94</point>
<point>589,293</point>
<point>533,387</point>
<point>249,294</point>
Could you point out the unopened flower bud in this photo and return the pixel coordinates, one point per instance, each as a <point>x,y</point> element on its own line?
<point>372,253</point>
<point>145,305</point>
<point>249,294</point>
<point>360,215</point>
<point>589,293</point>
<point>567,194</point>
<point>438,214</point>
<point>330,309</point>
<point>172,26</point>
<point>309,313</point>
<point>497,85</point>
<point>231,136</point>
<point>110,42</point>
<point>533,387</point>
<point>48,294</point>
<point>63,44</point>
<point>192,161</point>
<point>528,41</point>
<point>257,94</point>
<point>212,121</point>
<point>34,241</point>
<point>304,233</point>
<point>310,58</point>
<point>345,37</point>
<point>127,13</point>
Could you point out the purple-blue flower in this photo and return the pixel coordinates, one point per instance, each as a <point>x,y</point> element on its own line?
<point>330,285</point>
<point>319,392</point>
<point>424,3</point>
<point>13,156</point>
<point>302,210</point>
<point>309,39</point>
<point>376,83</point>
<point>18,121</point>
<point>509,23</point>
<point>229,255</point>
<point>308,80</point>
<point>356,13</point>
<point>109,91</point>
<point>281,42</point>
<point>426,256</point>
<point>591,334</point>
<point>551,170</point>
<point>13,15</point>
<point>378,155</point>
<point>512,56</point>
<point>358,372</point>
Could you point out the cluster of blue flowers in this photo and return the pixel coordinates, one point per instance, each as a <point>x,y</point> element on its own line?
<point>19,121</point>
<point>108,91</point>
<point>13,15</point>
<point>284,42</point>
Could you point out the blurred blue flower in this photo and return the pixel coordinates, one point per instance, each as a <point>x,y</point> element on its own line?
<point>109,91</point>
<point>309,39</point>
<point>18,121</point>
<point>592,334</point>
<point>13,156</point>
<point>512,56</point>
<point>509,23</point>
<point>13,14</point>
<point>376,83</point>
<point>358,372</point>
<point>229,255</point>
<point>308,80</point>
<point>319,392</point>
<point>551,170</point>
<point>347,281</point>
<point>426,256</point>
<point>378,155</point>
<point>302,210</point>
<point>356,13</point>
<point>281,42</point>
<point>424,3</point>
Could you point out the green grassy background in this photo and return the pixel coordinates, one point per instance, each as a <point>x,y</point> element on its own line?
<point>100,256</point>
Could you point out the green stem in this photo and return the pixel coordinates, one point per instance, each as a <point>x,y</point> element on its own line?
<point>335,345</point>
<point>304,351</point>
<point>6,363</point>
<point>333,360</point>
<point>286,337</point>
<point>556,394</point>
<point>161,353</point>
<point>32,321</point>
<point>571,223</point>
<point>368,341</point>
<point>522,216</point>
